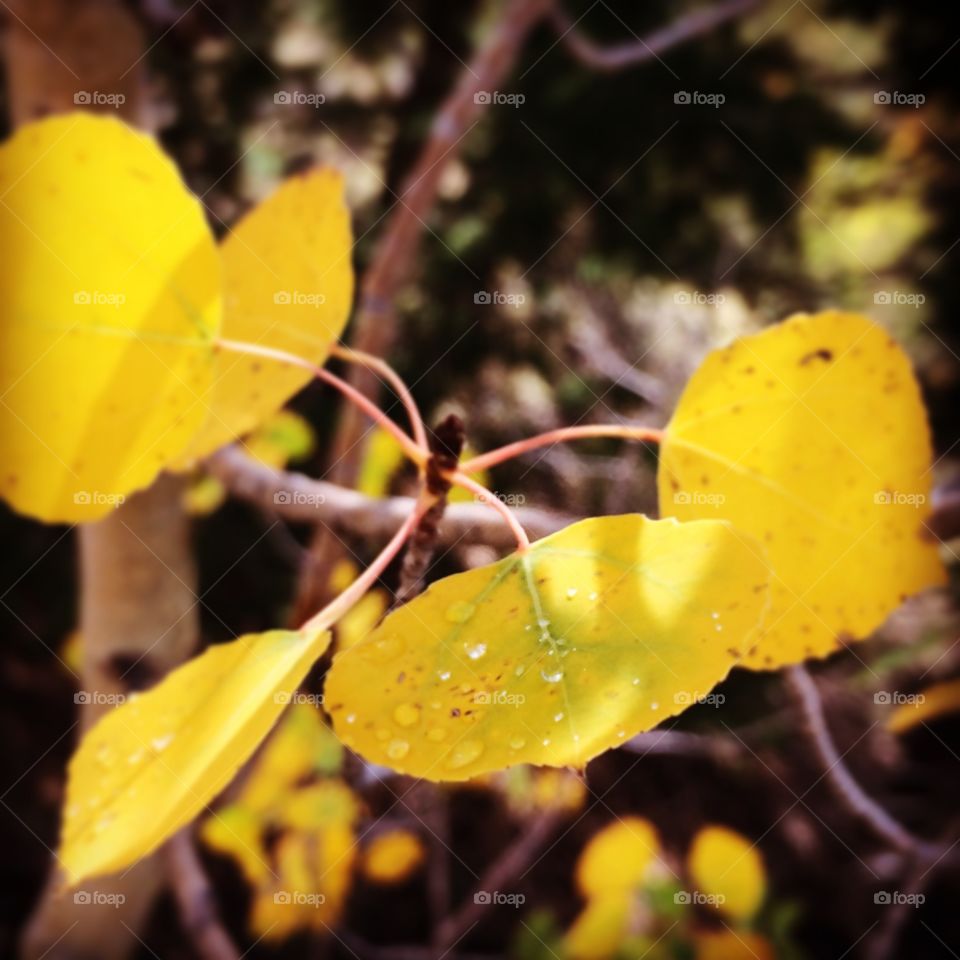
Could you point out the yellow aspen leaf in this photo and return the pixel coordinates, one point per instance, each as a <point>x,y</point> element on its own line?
<point>600,928</point>
<point>237,831</point>
<point>282,437</point>
<point>328,803</point>
<point>732,945</point>
<point>530,791</point>
<point>392,856</point>
<point>107,317</point>
<point>553,655</point>
<point>725,865</point>
<point>935,701</point>
<point>617,858</point>
<point>812,437</point>
<point>288,283</point>
<point>301,745</point>
<point>314,873</point>
<point>151,765</point>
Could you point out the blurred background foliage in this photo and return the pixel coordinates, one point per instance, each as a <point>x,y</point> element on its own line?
<point>634,234</point>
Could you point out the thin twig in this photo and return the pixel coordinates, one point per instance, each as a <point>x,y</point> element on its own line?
<point>856,801</point>
<point>374,328</point>
<point>304,500</point>
<point>497,877</point>
<point>620,56</point>
<point>446,445</point>
<point>195,899</point>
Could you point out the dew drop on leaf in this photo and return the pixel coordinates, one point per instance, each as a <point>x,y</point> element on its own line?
<point>407,714</point>
<point>464,753</point>
<point>397,749</point>
<point>475,650</point>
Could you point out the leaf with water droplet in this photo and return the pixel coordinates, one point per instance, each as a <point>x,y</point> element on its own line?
<point>467,694</point>
<point>188,735</point>
<point>812,437</point>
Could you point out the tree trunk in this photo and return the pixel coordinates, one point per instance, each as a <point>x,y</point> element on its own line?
<point>138,613</point>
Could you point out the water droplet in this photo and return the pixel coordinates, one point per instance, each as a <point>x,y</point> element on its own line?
<point>593,595</point>
<point>543,623</point>
<point>557,717</point>
<point>636,681</point>
<point>718,627</point>
<point>351,718</point>
<point>437,734</point>
<point>104,822</point>
<point>397,749</point>
<point>576,738</point>
<point>546,742</point>
<point>655,705</point>
<point>460,612</point>
<point>520,670</point>
<point>161,743</point>
<point>444,675</point>
<point>384,649</point>
<point>571,593</point>
<point>621,734</point>
<point>407,714</point>
<point>475,651</point>
<point>517,743</point>
<point>552,676</point>
<point>135,757</point>
<point>464,753</point>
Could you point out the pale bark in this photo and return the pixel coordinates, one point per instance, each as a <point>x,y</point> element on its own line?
<point>138,608</point>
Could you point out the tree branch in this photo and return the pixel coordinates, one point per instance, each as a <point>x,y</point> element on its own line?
<point>855,800</point>
<point>195,899</point>
<point>620,56</point>
<point>304,500</point>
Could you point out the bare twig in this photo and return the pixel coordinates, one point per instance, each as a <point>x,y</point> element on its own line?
<point>620,56</point>
<point>304,500</point>
<point>856,801</point>
<point>398,245</point>
<point>498,876</point>
<point>446,445</point>
<point>195,899</point>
